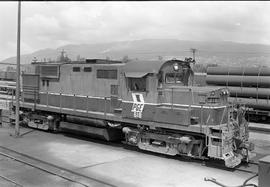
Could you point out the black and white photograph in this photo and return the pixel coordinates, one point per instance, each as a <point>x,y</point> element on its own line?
<point>135,94</point>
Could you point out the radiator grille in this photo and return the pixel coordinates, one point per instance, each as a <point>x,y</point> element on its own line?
<point>49,71</point>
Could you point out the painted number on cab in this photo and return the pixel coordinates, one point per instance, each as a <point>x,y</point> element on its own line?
<point>138,105</point>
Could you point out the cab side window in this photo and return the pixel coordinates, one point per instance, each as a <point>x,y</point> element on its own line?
<point>137,84</point>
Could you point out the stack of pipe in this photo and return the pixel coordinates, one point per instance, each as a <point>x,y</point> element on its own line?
<point>248,85</point>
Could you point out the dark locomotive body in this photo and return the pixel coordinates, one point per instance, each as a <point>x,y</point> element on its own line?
<point>151,105</point>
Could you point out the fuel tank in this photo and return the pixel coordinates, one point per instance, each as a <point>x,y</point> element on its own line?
<point>86,121</point>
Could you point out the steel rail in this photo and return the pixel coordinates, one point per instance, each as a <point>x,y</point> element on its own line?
<point>42,169</point>
<point>11,181</point>
<point>248,171</point>
<point>51,165</point>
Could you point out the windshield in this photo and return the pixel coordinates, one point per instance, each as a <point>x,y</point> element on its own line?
<point>174,78</point>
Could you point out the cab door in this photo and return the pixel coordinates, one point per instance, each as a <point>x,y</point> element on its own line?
<point>30,87</point>
<point>115,102</point>
<point>141,96</point>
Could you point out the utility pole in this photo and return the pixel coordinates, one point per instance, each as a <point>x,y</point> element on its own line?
<point>193,50</point>
<point>18,90</point>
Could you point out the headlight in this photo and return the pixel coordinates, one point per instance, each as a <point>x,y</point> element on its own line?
<point>175,66</point>
<point>225,92</point>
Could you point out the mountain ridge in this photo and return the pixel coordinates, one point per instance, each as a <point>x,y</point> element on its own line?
<point>218,52</point>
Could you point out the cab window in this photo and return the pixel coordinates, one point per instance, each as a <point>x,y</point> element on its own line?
<point>137,84</point>
<point>174,78</point>
<point>106,74</point>
<point>76,69</point>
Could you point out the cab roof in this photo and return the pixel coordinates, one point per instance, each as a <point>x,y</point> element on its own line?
<point>140,68</point>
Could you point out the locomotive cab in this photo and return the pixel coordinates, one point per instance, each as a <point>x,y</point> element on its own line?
<point>162,95</point>
<point>153,85</point>
<point>176,72</point>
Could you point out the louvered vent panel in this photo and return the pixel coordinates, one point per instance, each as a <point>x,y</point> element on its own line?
<point>49,71</point>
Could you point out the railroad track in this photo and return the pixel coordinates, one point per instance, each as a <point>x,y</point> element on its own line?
<point>249,171</point>
<point>70,176</point>
<point>65,174</point>
<point>10,181</point>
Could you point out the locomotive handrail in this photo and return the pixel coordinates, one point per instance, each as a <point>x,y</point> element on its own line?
<point>223,113</point>
<point>65,94</point>
<point>177,89</point>
<point>74,101</point>
<point>105,108</point>
<point>172,99</point>
<point>47,99</point>
<point>87,103</point>
<point>60,102</point>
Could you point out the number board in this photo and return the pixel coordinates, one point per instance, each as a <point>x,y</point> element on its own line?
<point>138,105</point>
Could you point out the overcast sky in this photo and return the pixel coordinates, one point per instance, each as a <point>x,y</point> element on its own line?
<point>52,24</point>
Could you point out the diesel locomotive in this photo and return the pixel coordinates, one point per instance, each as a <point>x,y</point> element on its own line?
<point>152,105</point>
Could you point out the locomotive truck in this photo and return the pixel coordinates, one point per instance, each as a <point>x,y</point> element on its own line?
<point>152,105</point>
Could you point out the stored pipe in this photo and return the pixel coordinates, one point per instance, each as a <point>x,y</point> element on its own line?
<point>246,71</point>
<point>253,103</point>
<point>260,93</point>
<point>233,80</point>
